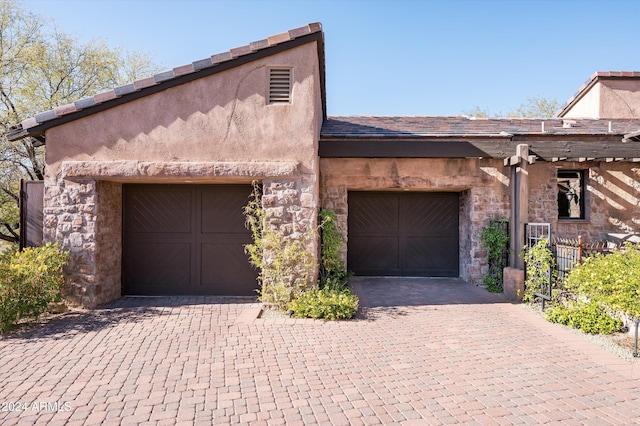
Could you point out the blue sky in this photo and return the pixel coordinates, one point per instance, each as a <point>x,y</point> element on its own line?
<point>388,57</point>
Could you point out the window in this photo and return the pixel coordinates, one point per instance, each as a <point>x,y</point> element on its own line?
<point>571,194</point>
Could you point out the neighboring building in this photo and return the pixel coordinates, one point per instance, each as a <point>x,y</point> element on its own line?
<point>145,183</point>
<point>606,95</point>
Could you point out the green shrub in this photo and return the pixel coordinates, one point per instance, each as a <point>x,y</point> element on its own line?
<point>611,280</point>
<point>587,317</point>
<point>495,239</point>
<point>29,281</point>
<point>540,269</point>
<point>326,303</point>
<point>285,264</point>
<point>333,269</point>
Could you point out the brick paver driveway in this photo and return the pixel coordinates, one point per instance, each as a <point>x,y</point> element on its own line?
<point>422,352</point>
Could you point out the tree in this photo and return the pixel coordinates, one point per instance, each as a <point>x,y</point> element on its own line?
<point>478,112</point>
<point>41,68</point>
<point>535,107</point>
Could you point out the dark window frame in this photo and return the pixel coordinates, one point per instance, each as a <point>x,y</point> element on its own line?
<point>570,198</point>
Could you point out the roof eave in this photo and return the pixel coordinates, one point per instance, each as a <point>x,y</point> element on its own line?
<point>631,137</point>
<point>161,83</point>
<point>595,77</point>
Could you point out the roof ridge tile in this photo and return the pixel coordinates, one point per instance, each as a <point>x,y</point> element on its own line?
<point>123,90</point>
<point>300,31</point>
<point>65,109</point>
<point>145,82</point>
<point>105,96</point>
<point>260,44</point>
<point>183,69</point>
<point>239,51</point>
<point>161,77</point>
<point>278,38</point>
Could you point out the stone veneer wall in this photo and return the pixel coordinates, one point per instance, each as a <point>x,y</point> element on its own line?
<point>291,205</point>
<point>85,216</point>
<point>612,199</point>
<point>478,206</point>
<point>108,284</point>
<point>482,185</point>
<point>70,218</point>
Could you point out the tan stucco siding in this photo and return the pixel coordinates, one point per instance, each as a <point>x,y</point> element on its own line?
<point>588,106</point>
<point>612,199</point>
<point>620,99</point>
<point>216,129</point>
<point>614,98</point>
<point>223,117</point>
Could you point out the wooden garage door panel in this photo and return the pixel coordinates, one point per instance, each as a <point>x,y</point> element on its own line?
<point>405,234</point>
<point>431,214</point>
<point>226,271</point>
<point>374,255</point>
<point>147,211</point>
<point>186,239</point>
<point>158,268</point>
<point>377,214</point>
<point>434,257</point>
<point>230,218</point>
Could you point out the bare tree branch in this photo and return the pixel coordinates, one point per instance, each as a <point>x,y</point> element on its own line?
<point>11,194</point>
<point>8,228</point>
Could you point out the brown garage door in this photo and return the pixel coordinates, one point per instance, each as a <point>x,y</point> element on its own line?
<point>186,239</point>
<point>403,234</point>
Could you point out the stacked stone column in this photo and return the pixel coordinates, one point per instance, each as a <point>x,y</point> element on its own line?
<point>290,206</point>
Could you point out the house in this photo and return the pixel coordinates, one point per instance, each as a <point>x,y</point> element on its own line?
<point>146,183</point>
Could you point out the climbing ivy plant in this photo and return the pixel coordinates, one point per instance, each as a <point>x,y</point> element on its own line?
<point>285,264</point>
<point>333,269</point>
<point>540,270</point>
<point>495,239</point>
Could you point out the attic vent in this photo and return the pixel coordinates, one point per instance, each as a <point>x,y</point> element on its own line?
<point>279,85</point>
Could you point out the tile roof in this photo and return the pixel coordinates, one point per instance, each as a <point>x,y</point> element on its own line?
<point>421,126</point>
<point>161,80</point>
<point>591,81</point>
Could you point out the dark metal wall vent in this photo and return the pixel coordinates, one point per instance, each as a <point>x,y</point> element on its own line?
<point>279,85</point>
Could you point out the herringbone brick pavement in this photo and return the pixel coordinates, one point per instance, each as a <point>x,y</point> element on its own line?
<point>422,351</point>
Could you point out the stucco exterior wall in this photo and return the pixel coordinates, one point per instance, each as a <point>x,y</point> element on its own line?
<point>217,129</point>
<point>620,99</point>
<point>612,199</point>
<point>609,98</point>
<point>588,106</point>
<point>483,186</point>
<point>224,117</point>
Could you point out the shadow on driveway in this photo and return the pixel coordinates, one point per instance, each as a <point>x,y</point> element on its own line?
<point>394,296</point>
<point>126,309</point>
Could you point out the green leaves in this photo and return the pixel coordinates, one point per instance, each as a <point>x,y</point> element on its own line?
<point>29,281</point>
<point>285,264</point>
<point>495,239</point>
<point>332,299</point>
<point>326,303</point>
<point>540,268</point>
<point>587,317</point>
<point>333,269</point>
<point>40,70</point>
<point>608,283</point>
<point>612,280</point>
<point>534,107</point>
